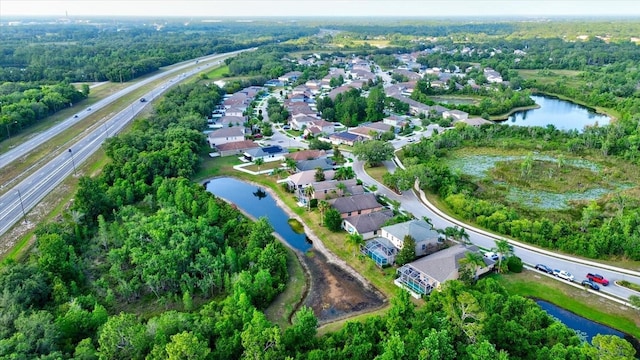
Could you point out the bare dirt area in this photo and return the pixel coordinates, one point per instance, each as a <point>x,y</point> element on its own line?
<point>334,293</point>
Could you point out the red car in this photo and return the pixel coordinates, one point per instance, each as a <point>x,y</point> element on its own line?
<point>598,279</point>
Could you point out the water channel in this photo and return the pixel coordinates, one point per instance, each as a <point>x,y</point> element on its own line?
<point>258,203</point>
<point>584,326</point>
<point>564,115</point>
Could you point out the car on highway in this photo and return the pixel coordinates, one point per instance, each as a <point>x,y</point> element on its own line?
<point>590,284</point>
<point>75,116</point>
<point>562,274</point>
<point>88,109</point>
<point>143,100</point>
<point>544,268</point>
<point>598,279</point>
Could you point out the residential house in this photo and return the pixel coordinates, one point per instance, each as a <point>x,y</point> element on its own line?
<point>367,225</point>
<point>411,75</point>
<point>428,273</point>
<point>426,238</point>
<point>322,163</point>
<point>455,115</point>
<point>306,155</point>
<point>229,121</point>
<point>371,130</point>
<point>492,76</point>
<point>415,108</point>
<point>268,153</point>
<point>319,127</point>
<point>237,111</point>
<point>290,77</point>
<point>236,148</point>
<point>237,100</point>
<point>345,138</point>
<point>476,121</point>
<point>356,205</point>
<point>330,189</point>
<point>302,179</point>
<point>396,121</point>
<point>381,250</point>
<point>225,135</point>
<point>302,121</point>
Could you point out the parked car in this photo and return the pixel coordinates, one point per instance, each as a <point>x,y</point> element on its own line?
<point>411,140</point>
<point>544,268</point>
<point>598,279</point>
<point>562,274</point>
<point>494,256</point>
<point>286,127</point>
<point>590,284</point>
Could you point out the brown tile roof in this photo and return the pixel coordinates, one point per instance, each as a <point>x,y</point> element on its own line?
<point>237,145</point>
<point>306,154</point>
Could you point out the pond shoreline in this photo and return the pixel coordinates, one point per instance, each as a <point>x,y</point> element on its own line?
<point>307,264</point>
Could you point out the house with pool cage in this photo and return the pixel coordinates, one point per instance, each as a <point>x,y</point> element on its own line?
<point>424,275</point>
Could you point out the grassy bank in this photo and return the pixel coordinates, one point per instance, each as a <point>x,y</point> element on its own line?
<point>282,307</point>
<point>578,301</point>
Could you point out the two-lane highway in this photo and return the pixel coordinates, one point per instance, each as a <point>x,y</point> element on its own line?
<point>26,194</point>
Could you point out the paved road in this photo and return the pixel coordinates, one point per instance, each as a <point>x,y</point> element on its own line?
<point>32,189</point>
<point>410,202</point>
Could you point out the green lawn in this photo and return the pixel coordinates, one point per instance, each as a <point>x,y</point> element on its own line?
<point>593,307</point>
<point>376,172</point>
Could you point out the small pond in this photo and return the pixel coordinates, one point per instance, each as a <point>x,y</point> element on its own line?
<point>256,202</point>
<point>564,115</point>
<point>583,326</point>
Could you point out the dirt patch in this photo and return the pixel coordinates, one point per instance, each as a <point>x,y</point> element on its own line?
<point>334,293</point>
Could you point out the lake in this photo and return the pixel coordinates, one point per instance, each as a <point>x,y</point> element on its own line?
<point>258,203</point>
<point>562,114</point>
<point>575,322</point>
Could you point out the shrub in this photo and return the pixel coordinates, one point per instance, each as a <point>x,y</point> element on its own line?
<point>514,264</point>
<point>313,203</point>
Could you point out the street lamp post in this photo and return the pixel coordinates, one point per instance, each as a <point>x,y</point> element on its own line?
<point>73,163</point>
<point>24,215</point>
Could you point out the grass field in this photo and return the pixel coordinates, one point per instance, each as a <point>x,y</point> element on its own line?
<point>590,306</point>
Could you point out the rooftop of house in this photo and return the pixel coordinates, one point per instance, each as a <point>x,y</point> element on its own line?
<point>237,145</point>
<point>227,132</point>
<point>355,203</point>
<point>308,177</point>
<point>443,265</point>
<point>332,184</point>
<point>323,163</point>
<point>418,229</point>
<point>306,154</point>
<point>346,136</point>
<point>266,151</point>
<point>369,222</point>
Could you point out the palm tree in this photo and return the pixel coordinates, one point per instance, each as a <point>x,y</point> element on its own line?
<point>354,241</point>
<point>463,236</point>
<point>342,187</point>
<point>503,249</point>
<point>344,173</point>
<point>472,261</point>
<point>258,162</point>
<point>291,164</point>
<point>308,192</point>
<point>323,206</point>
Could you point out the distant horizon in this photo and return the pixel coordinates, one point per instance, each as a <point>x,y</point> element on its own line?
<point>321,9</point>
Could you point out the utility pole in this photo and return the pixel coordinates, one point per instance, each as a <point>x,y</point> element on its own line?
<point>24,215</point>
<point>73,162</point>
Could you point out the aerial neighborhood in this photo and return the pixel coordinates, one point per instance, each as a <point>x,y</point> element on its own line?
<point>341,187</point>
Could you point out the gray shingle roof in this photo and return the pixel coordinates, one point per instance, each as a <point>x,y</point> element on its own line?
<point>369,222</point>
<point>418,229</point>
<point>355,203</point>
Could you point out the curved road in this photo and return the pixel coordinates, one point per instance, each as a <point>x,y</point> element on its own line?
<point>529,255</point>
<point>25,195</point>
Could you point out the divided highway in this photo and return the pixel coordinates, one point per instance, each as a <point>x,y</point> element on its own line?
<point>17,201</point>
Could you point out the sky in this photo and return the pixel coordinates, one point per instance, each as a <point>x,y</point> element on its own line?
<point>300,8</point>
